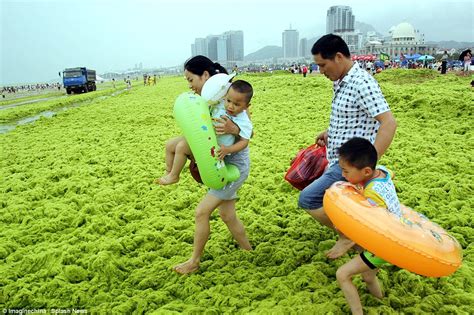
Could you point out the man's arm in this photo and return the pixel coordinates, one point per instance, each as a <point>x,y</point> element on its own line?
<point>386,132</point>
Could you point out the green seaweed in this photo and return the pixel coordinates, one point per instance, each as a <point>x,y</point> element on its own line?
<point>83,226</point>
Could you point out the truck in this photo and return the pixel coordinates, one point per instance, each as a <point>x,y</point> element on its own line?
<point>79,80</point>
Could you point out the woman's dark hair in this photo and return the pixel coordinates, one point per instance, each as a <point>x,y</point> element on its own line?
<point>359,152</point>
<point>330,44</point>
<point>199,64</point>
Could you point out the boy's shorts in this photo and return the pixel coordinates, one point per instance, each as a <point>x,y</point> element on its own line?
<point>242,161</point>
<point>311,197</point>
<point>373,261</point>
<point>229,192</point>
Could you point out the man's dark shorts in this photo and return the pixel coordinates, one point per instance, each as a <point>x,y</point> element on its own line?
<point>311,197</point>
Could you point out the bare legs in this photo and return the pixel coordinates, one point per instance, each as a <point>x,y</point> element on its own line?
<point>235,226</point>
<point>203,212</point>
<point>344,276</point>
<point>342,245</point>
<point>177,152</point>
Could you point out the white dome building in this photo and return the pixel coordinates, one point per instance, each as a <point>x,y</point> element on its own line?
<point>404,39</point>
<point>403,32</point>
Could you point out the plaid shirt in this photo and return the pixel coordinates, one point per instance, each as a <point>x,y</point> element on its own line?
<point>356,102</point>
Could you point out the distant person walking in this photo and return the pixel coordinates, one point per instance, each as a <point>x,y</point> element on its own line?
<point>444,62</point>
<point>467,62</point>
<point>305,71</point>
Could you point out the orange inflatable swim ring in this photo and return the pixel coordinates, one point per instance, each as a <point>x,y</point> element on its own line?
<point>411,242</point>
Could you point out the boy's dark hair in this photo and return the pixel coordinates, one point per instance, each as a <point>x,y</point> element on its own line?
<point>199,64</point>
<point>244,87</point>
<point>359,152</point>
<point>330,44</point>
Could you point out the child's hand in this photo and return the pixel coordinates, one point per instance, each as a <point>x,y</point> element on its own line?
<point>222,152</point>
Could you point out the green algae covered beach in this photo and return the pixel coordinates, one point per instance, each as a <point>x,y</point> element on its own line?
<point>82,226</point>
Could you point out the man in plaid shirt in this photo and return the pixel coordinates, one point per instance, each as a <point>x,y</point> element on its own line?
<point>358,109</point>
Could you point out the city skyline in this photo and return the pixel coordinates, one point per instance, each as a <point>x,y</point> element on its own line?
<point>226,48</point>
<point>115,35</point>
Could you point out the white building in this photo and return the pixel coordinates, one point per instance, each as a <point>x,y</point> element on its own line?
<point>353,40</point>
<point>222,49</point>
<point>339,19</point>
<point>290,43</point>
<point>227,48</point>
<point>235,46</point>
<point>404,39</point>
<point>199,47</point>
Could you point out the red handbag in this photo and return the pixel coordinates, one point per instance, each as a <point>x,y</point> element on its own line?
<point>308,165</point>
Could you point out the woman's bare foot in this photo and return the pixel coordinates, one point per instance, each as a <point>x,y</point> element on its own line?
<point>167,180</point>
<point>342,245</point>
<point>187,267</point>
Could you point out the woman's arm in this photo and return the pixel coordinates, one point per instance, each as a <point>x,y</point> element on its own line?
<point>226,126</point>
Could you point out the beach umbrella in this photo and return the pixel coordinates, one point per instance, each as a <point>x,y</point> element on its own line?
<point>425,57</point>
<point>416,56</point>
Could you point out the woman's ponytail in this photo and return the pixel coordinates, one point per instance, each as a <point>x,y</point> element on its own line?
<point>219,68</point>
<point>199,64</point>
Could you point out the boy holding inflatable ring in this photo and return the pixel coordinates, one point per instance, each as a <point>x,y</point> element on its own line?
<point>357,159</point>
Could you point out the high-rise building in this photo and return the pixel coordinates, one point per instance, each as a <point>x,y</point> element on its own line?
<point>200,47</point>
<point>222,49</point>
<point>235,46</point>
<point>227,48</point>
<point>339,19</point>
<point>305,49</point>
<point>212,47</point>
<point>290,43</point>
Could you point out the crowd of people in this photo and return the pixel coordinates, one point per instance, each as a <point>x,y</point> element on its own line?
<point>443,64</point>
<point>13,89</point>
<point>149,79</point>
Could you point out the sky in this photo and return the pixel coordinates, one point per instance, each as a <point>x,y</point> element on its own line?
<point>41,37</point>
